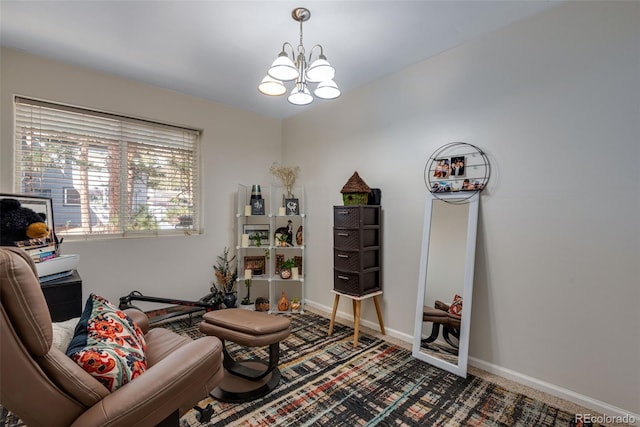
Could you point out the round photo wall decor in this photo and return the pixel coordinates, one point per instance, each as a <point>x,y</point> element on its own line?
<point>457,167</point>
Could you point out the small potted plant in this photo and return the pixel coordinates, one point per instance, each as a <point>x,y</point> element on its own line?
<point>256,238</point>
<point>282,239</point>
<point>285,268</point>
<point>226,275</point>
<point>295,305</point>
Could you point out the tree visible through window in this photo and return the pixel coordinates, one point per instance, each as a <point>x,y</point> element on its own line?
<point>107,174</point>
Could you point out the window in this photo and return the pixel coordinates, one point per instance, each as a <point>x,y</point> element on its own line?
<point>71,197</point>
<point>107,175</point>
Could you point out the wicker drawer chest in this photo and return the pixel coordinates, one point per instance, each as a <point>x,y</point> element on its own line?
<point>357,249</point>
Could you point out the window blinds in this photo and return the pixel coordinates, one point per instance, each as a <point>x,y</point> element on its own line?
<point>107,174</point>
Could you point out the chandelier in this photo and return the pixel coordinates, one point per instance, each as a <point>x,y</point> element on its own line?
<point>297,68</point>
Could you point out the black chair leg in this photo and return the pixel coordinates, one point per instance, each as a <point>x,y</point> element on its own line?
<point>435,331</point>
<point>172,420</point>
<point>204,414</point>
<point>446,331</point>
<point>236,367</point>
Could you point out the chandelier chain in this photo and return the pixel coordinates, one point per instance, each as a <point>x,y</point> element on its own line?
<point>301,46</point>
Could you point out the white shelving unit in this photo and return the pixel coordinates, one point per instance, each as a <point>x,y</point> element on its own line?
<point>263,258</point>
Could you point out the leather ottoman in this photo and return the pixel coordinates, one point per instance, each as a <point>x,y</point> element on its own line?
<point>250,379</point>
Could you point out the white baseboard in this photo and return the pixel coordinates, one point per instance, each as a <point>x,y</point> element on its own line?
<point>552,389</point>
<point>557,391</point>
<point>348,317</point>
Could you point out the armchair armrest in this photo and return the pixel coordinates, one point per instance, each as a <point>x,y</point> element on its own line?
<point>441,306</point>
<point>179,380</point>
<point>139,318</point>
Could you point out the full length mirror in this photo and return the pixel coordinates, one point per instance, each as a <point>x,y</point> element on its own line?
<point>445,286</point>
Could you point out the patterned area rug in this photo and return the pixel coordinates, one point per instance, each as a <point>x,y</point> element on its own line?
<point>326,382</point>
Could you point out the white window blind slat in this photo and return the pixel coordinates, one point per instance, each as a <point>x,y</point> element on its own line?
<point>107,174</point>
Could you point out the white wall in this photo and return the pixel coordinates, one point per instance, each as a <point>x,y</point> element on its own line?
<point>555,102</point>
<point>237,147</point>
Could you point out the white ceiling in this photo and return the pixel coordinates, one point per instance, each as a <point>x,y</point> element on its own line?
<point>220,50</point>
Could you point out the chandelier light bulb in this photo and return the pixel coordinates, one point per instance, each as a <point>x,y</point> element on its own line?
<point>327,90</point>
<point>283,68</point>
<point>272,87</point>
<point>320,70</point>
<point>300,95</point>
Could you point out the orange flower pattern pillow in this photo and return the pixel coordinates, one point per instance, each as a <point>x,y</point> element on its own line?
<point>456,305</point>
<point>108,344</point>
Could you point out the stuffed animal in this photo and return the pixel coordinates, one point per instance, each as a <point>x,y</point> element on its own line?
<point>19,223</point>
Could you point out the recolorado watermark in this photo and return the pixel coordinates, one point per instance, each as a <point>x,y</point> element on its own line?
<point>589,419</point>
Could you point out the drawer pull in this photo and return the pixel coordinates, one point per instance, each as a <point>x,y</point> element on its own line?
<point>343,256</point>
<point>343,277</point>
<point>343,234</point>
<point>343,212</point>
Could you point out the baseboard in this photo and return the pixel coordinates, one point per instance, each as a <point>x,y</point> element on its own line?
<point>560,392</point>
<point>348,317</point>
<point>552,389</point>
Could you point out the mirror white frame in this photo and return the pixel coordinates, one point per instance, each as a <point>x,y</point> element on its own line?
<point>472,226</point>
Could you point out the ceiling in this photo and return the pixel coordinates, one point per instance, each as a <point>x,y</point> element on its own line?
<point>220,50</point>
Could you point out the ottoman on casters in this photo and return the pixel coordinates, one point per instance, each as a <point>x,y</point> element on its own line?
<point>246,380</point>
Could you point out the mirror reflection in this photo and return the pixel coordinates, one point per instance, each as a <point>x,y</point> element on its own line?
<point>445,287</point>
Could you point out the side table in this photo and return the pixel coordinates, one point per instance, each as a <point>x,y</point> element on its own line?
<point>64,297</point>
<point>357,305</point>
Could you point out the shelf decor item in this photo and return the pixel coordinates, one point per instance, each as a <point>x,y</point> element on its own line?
<point>299,237</point>
<point>295,304</point>
<point>262,304</point>
<point>247,300</point>
<point>257,207</point>
<point>291,206</point>
<point>257,202</point>
<point>258,234</point>
<point>286,267</point>
<point>287,176</point>
<point>282,239</point>
<point>298,260</point>
<point>283,303</point>
<point>355,191</point>
<point>256,264</point>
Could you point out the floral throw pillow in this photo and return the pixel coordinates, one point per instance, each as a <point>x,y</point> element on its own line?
<point>456,305</point>
<point>108,344</point>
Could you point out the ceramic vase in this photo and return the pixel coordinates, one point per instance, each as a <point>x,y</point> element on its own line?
<point>283,303</point>
<point>230,300</point>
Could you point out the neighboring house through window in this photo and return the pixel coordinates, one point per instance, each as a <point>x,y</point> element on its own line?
<point>107,174</point>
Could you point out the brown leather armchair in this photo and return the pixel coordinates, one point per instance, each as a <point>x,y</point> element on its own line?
<point>44,387</point>
<point>440,316</point>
